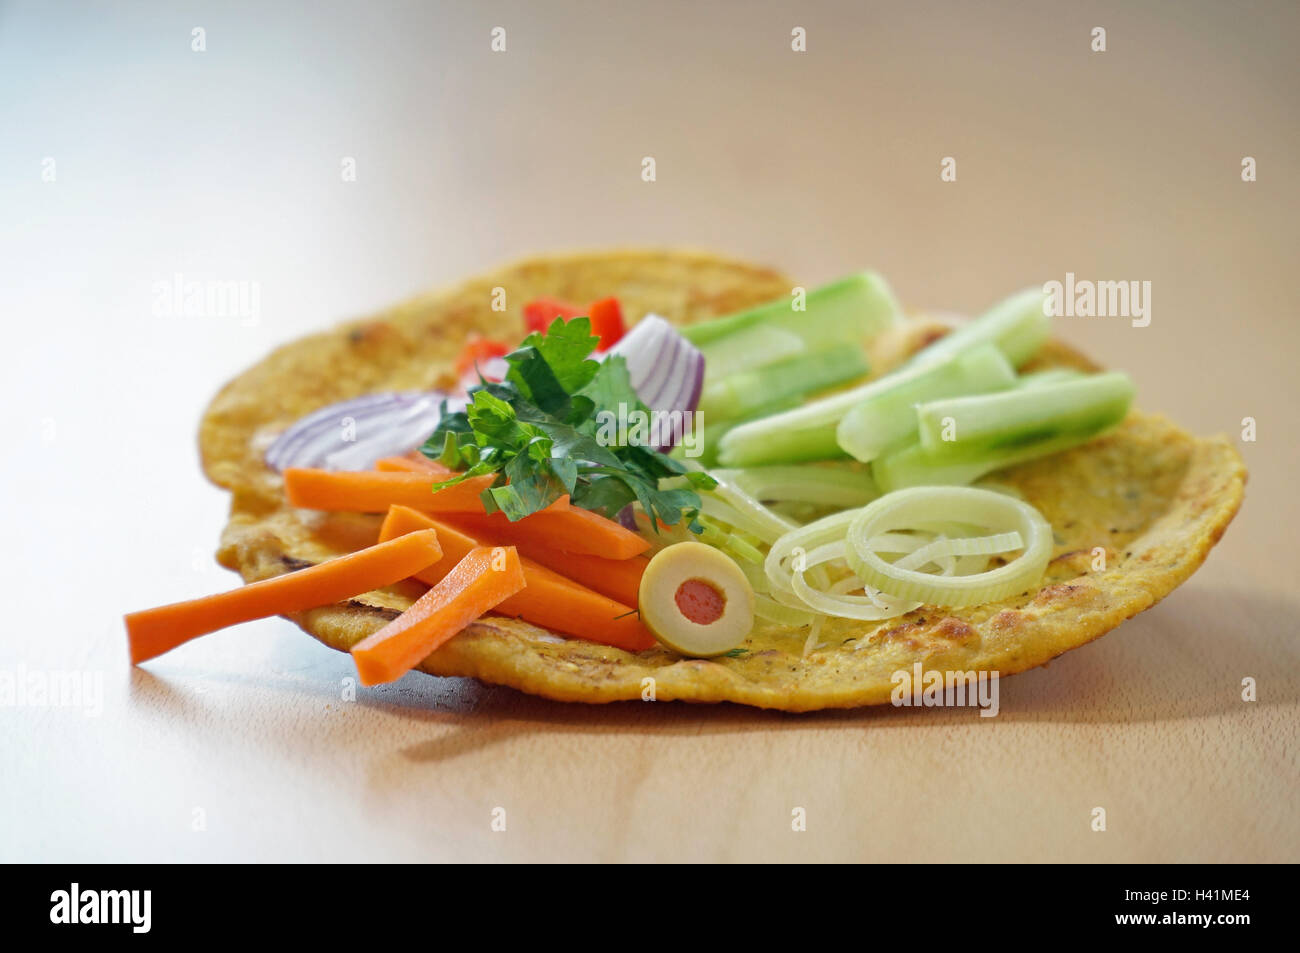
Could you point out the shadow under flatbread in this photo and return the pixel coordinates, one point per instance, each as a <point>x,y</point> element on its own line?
<point>1165,664</point>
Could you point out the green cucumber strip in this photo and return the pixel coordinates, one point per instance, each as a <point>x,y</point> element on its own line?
<point>714,431</point>
<point>912,466</point>
<point>978,426</point>
<point>851,309</point>
<point>740,395</point>
<point>1052,375</point>
<point>1017,326</point>
<point>810,432</point>
<point>887,417</point>
<point>750,348</point>
<point>840,485</point>
<point>796,436</point>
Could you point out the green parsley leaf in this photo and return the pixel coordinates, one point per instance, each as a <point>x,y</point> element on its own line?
<point>546,431</point>
<point>564,349</point>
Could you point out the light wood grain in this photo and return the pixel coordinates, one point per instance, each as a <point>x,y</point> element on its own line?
<point>225,165</point>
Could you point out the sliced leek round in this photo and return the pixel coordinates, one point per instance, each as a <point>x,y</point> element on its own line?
<point>1009,523</point>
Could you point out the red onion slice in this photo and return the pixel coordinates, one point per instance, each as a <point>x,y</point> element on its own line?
<point>627,516</point>
<point>353,434</point>
<point>649,367</point>
<point>665,369</point>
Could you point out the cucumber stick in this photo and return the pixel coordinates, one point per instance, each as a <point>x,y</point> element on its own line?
<point>887,417</point>
<point>1053,375</point>
<point>703,448</point>
<point>812,432</point>
<point>794,436</point>
<point>750,348</point>
<point>847,312</point>
<point>1106,400</point>
<point>740,395</point>
<point>1017,326</point>
<point>910,466</point>
<point>963,429</point>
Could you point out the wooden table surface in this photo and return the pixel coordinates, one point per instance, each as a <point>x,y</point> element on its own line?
<point>225,164</point>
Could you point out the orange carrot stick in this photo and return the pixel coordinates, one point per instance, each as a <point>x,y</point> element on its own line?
<point>373,492</point>
<point>404,481</point>
<point>619,579</point>
<point>410,464</point>
<point>573,531</point>
<point>419,457</point>
<point>456,545</point>
<point>549,600</point>
<point>152,632</point>
<point>567,607</point>
<point>476,584</point>
<point>569,529</point>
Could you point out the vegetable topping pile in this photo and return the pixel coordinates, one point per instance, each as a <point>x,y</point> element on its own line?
<point>776,481</point>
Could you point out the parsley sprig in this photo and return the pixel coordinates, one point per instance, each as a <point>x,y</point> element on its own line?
<point>537,431</point>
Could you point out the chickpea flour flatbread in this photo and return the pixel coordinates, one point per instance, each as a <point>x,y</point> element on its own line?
<point>1153,496</point>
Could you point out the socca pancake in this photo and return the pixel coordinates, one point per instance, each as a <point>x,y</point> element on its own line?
<point>1153,496</point>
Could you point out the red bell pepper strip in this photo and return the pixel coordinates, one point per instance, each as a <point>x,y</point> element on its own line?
<point>607,322</point>
<point>477,351</point>
<point>539,314</point>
